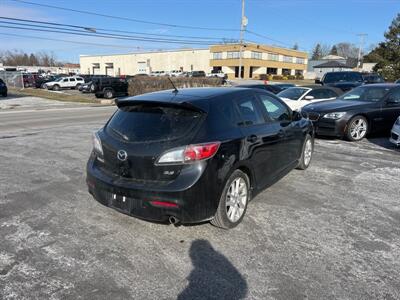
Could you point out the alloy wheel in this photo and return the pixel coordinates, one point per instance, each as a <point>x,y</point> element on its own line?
<point>236,199</point>
<point>358,129</point>
<point>308,149</point>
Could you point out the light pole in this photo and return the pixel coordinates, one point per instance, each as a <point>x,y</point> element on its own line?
<point>361,35</point>
<point>243,24</point>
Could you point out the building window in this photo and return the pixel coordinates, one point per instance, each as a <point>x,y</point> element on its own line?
<point>272,71</point>
<point>287,59</point>
<point>286,72</point>
<point>299,60</point>
<point>272,56</point>
<point>217,55</point>
<point>256,55</point>
<point>233,54</point>
<point>298,72</point>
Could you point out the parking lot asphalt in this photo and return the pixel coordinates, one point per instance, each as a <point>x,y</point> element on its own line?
<point>330,232</point>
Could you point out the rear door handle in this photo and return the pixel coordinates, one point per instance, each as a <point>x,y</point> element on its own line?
<point>252,138</point>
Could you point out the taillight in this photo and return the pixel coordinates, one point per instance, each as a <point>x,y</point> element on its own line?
<point>189,153</point>
<point>163,204</point>
<point>97,144</point>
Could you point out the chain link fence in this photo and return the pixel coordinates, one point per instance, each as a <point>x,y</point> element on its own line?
<point>13,79</point>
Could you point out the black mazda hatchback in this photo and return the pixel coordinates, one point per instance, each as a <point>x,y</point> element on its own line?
<point>195,155</point>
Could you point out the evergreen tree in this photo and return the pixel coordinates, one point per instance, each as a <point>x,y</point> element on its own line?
<point>387,53</point>
<point>296,46</point>
<point>334,50</point>
<point>317,52</point>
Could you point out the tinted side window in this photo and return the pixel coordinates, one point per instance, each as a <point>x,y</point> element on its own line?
<point>65,80</point>
<point>395,96</point>
<point>277,111</point>
<point>227,112</point>
<point>249,112</point>
<point>72,79</point>
<point>331,94</point>
<point>322,94</point>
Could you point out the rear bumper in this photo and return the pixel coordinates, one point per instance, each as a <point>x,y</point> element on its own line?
<point>196,203</point>
<point>3,90</point>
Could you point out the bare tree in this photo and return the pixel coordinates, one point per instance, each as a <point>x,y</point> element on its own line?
<point>347,50</point>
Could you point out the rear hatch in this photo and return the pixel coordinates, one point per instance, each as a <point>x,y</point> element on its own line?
<point>145,130</point>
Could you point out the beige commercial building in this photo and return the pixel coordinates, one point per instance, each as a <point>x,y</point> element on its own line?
<point>146,62</point>
<point>256,60</point>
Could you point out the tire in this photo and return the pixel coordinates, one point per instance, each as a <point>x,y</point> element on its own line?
<point>5,94</point>
<point>77,86</point>
<point>43,86</point>
<point>93,88</point>
<point>228,217</point>
<point>306,153</point>
<point>56,87</point>
<point>108,94</point>
<point>357,129</point>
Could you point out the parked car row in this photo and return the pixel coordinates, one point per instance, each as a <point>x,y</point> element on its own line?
<point>196,155</point>
<point>348,105</point>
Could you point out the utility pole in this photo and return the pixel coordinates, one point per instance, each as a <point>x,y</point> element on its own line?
<point>243,25</point>
<point>361,35</point>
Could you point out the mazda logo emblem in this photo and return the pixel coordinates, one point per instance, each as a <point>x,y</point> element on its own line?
<point>122,155</point>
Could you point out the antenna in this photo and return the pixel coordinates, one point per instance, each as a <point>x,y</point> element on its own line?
<point>175,89</point>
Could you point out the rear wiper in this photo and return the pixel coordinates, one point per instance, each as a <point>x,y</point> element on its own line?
<point>120,134</point>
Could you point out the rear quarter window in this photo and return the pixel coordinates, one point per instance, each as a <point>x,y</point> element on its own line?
<point>147,123</point>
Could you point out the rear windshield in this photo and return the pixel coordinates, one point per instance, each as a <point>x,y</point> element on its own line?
<point>342,77</point>
<point>366,93</point>
<point>374,79</point>
<point>293,93</point>
<point>144,123</point>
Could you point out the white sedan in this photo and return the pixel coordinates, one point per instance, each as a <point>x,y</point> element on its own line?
<point>299,96</point>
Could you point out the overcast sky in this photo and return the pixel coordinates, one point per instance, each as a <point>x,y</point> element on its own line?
<point>283,22</point>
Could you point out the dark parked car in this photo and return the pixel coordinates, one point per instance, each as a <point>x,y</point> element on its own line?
<point>28,80</point>
<point>266,87</point>
<point>198,74</point>
<point>196,154</point>
<point>85,88</point>
<point>3,88</point>
<point>88,78</point>
<point>41,81</point>
<point>372,78</point>
<point>109,87</point>
<point>365,109</point>
<point>345,81</point>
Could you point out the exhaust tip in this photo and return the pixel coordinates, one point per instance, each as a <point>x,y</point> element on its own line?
<point>173,220</point>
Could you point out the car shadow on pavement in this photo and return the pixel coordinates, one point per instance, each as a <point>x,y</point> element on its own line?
<point>382,142</point>
<point>213,276</point>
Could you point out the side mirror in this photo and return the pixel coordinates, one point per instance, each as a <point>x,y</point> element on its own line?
<point>318,81</point>
<point>309,98</point>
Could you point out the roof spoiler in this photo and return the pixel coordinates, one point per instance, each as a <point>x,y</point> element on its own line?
<point>187,105</point>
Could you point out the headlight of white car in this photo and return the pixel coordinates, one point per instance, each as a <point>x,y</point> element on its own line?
<point>334,115</point>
